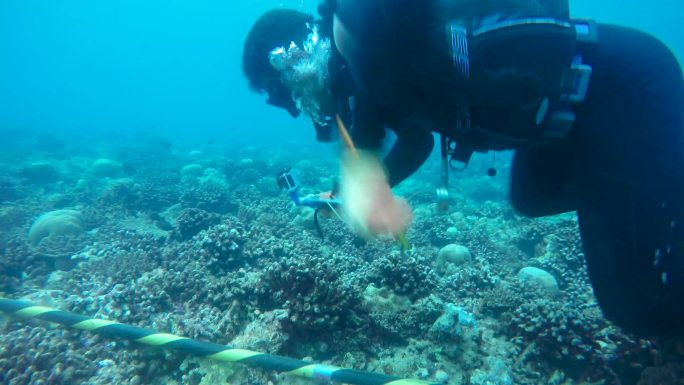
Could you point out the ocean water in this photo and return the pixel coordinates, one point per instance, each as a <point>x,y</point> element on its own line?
<point>137,184</point>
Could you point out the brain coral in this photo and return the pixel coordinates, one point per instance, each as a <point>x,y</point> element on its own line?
<point>55,223</point>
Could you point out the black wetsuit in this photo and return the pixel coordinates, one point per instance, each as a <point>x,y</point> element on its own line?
<point>621,167</point>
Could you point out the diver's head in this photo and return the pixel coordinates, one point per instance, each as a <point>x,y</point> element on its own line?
<point>277,28</point>
<point>286,56</point>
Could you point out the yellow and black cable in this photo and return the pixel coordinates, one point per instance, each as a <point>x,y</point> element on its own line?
<point>224,353</point>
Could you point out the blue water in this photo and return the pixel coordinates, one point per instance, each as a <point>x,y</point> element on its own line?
<point>141,67</point>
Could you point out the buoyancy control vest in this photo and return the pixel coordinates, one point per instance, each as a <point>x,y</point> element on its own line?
<point>521,78</point>
<point>488,75</point>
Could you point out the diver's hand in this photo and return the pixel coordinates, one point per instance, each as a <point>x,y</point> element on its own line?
<point>370,207</point>
<point>388,214</point>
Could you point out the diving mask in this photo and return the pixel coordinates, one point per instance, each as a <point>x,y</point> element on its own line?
<point>304,72</point>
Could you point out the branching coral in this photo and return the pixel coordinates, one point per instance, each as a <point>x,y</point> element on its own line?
<point>191,221</point>
<point>312,291</point>
<point>409,275</point>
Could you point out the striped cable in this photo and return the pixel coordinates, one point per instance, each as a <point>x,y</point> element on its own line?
<point>209,350</point>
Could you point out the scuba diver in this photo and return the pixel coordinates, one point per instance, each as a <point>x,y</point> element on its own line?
<point>594,113</point>
<point>291,57</point>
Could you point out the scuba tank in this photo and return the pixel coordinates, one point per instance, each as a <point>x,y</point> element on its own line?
<point>520,69</point>
<point>492,74</point>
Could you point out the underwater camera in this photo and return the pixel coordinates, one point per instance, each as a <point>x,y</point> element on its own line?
<point>287,180</point>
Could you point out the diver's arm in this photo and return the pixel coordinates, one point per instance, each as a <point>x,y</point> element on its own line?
<point>368,130</point>
<point>408,153</point>
<point>369,205</point>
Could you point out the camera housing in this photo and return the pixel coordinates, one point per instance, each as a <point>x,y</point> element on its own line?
<point>287,180</point>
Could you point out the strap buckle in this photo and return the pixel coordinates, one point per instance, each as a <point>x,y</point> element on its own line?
<point>578,81</point>
<point>580,74</point>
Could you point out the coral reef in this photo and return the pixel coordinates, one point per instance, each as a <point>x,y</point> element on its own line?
<point>208,196</point>
<point>223,245</point>
<point>191,221</point>
<point>450,257</point>
<point>105,167</point>
<point>539,277</point>
<point>15,262</point>
<point>409,275</point>
<point>146,193</point>
<point>38,173</point>
<point>55,223</point>
<point>312,291</point>
<point>8,189</point>
<point>36,355</point>
<point>205,247</point>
